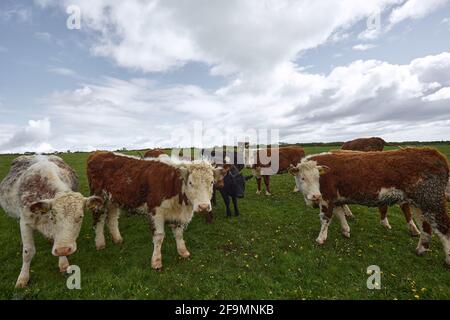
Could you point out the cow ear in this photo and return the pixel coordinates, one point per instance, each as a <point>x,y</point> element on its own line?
<point>323,169</point>
<point>220,172</point>
<point>41,207</point>
<point>184,173</point>
<point>293,170</point>
<point>94,203</point>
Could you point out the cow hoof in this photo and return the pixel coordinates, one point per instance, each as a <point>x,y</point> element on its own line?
<point>21,283</point>
<point>320,241</point>
<point>415,233</point>
<point>63,268</point>
<point>413,230</point>
<point>346,234</point>
<point>258,192</point>
<point>118,240</point>
<point>100,246</point>
<point>420,251</point>
<point>385,224</point>
<point>268,193</point>
<point>185,254</point>
<point>157,264</point>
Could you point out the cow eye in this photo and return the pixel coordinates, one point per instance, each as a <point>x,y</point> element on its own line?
<point>190,183</point>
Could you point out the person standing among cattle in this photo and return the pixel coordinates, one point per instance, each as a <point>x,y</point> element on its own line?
<point>168,192</point>
<point>377,144</point>
<point>417,176</point>
<point>41,191</point>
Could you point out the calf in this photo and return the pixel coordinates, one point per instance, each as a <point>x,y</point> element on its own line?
<point>234,188</point>
<point>365,144</point>
<point>377,144</point>
<point>417,176</point>
<point>41,191</point>
<point>168,192</point>
<point>287,156</point>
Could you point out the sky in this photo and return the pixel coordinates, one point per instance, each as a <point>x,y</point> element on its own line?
<point>83,75</point>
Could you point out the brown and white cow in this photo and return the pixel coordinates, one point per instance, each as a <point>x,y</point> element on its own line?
<point>417,176</point>
<point>377,144</point>
<point>169,192</point>
<point>263,167</point>
<point>365,144</point>
<point>41,191</point>
<point>154,153</point>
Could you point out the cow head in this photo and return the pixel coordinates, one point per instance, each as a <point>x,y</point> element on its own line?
<point>66,211</point>
<point>307,179</point>
<point>199,179</point>
<point>234,181</point>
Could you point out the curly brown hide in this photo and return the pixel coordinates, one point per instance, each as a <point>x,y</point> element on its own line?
<point>154,153</point>
<point>130,183</point>
<point>287,156</point>
<point>357,177</point>
<point>365,144</point>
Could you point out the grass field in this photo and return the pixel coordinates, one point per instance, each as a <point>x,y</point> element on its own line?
<point>269,252</point>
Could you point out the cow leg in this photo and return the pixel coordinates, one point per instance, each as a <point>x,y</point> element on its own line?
<point>340,212</point>
<point>63,264</point>
<point>425,232</point>
<point>348,212</point>
<point>235,204</point>
<point>158,238</point>
<point>28,251</point>
<point>410,222</point>
<point>445,239</point>
<point>267,183</point>
<point>113,224</point>
<point>383,217</point>
<point>326,213</point>
<point>99,226</point>
<point>181,246</point>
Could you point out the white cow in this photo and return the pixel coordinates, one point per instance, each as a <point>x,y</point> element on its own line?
<point>40,191</point>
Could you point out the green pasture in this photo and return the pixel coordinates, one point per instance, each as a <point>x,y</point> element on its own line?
<point>268,252</point>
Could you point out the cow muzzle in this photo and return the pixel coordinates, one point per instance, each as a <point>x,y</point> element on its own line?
<point>63,251</point>
<point>204,208</point>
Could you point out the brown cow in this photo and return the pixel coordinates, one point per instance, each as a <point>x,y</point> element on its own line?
<point>263,167</point>
<point>377,144</point>
<point>417,176</point>
<point>154,153</point>
<point>365,144</point>
<point>169,192</point>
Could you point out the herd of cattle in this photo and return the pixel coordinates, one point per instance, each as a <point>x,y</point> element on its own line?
<point>41,191</point>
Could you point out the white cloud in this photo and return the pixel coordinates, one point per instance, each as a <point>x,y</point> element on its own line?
<point>415,9</point>
<point>15,12</point>
<point>363,47</point>
<point>231,36</point>
<point>43,36</point>
<point>442,94</point>
<point>63,72</point>
<point>363,98</point>
<point>33,137</point>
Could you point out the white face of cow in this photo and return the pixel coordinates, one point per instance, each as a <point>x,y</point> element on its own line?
<point>307,179</point>
<point>199,182</point>
<point>66,212</point>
